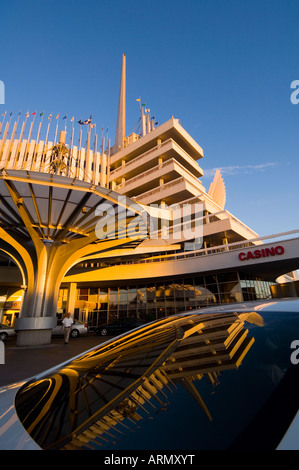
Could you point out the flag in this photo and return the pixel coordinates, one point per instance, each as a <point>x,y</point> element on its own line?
<point>137,99</point>
<point>147,110</point>
<point>93,125</point>
<point>4,114</point>
<point>72,119</point>
<point>57,116</point>
<point>41,114</point>
<point>33,113</point>
<point>27,114</point>
<point>64,117</point>
<point>50,116</point>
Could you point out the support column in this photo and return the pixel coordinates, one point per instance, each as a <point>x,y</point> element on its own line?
<point>71,297</point>
<point>35,326</point>
<point>34,331</point>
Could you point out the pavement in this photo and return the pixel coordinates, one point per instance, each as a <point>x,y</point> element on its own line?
<point>22,363</point>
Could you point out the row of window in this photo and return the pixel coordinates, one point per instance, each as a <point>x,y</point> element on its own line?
<point>159,299</point>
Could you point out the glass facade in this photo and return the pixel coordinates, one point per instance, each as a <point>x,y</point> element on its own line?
<point>153,300</point>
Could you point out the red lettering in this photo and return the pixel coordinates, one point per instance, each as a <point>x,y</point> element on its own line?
<point>263,253</point>
<point>279,250</point>
<point>270,251</point>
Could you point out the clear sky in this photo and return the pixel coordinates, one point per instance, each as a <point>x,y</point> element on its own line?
<point>224,67</point>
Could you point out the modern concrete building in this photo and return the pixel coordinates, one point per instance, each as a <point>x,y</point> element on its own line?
<point>170,245</point>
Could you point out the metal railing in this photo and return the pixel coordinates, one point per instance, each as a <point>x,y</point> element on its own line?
<point>166,143</point>
<point>284,236</point>
<point>293,234</point>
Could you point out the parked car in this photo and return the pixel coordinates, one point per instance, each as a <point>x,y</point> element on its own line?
<point>78,328</point>
<point>121,325</point>
<point>6,331</point>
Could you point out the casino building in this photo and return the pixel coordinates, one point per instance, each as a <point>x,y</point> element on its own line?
<point>207,258</point>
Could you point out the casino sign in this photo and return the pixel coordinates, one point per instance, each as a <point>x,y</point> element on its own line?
<point>261,253</point>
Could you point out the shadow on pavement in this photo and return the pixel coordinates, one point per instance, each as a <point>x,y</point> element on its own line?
<point>22,363</point>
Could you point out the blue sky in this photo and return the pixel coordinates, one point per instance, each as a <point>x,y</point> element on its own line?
<point>224,67</point>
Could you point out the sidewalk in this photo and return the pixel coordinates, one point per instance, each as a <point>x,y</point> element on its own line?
<point>22,363</point>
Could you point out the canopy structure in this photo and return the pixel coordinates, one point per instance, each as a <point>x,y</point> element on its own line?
<point>47,223</point>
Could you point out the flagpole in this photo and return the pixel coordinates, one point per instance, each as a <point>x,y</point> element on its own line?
<point>109,161</point>
<point>103,179</point>
<point>71,147</point>
<point>79,154</point>
<point>57,117</point>
<point>29,138</point>
<point>88,151</point>
<point>45,143</point>
<point>31,127</point>
<point>48,128</point>
<point>14,130</point>
<point>39,128</point>
<point>37,140</point>
<point>13,134</point>
<point>20,139</point>
<point>1,124</point>
<point>4,139</point>
<point>11,143</point>
<point>95,160</point>
<point>143,129</point>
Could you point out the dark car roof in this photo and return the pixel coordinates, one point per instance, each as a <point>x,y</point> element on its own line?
<point>194,381</point>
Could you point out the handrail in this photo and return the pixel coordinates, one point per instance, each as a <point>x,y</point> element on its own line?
<point>136,159</point>
<point>156,168</point>
<point>198,186</point>
<point>221,248</point>
<point>145,173</point>
<point>207,251</point>
<point>157,147</point>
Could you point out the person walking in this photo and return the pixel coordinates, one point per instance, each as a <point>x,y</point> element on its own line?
<point>67,326</point>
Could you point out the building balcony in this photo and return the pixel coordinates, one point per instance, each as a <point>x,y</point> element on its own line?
<point>173,192</point>
<point>169,130</point>
<point>166,171</point>
<point>166,150</point>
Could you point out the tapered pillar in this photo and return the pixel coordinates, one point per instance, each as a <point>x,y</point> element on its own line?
<point>120,132</point>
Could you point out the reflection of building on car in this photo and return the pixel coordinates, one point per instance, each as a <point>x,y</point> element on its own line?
<point>78,328</point>
<point>217,378</point>
<point>120,325</point>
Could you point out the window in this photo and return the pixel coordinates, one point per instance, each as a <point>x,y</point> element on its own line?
<point>82,294</point>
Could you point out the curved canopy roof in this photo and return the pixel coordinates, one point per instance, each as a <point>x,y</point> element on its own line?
<point>59,208</point>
